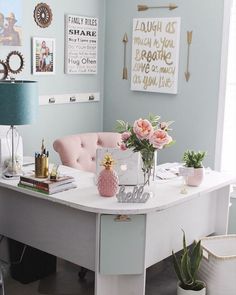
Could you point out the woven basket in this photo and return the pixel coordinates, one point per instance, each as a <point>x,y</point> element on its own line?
<point>218,267</point>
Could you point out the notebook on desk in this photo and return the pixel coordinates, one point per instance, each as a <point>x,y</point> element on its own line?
<point>127,165</point>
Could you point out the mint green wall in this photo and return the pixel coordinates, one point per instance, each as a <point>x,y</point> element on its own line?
<point>194,108</point>
<point>58,120</point>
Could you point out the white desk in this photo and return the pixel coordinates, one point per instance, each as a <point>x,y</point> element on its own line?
<point>80,226</point>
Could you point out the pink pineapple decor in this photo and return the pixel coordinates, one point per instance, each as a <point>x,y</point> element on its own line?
<point>108,182</point>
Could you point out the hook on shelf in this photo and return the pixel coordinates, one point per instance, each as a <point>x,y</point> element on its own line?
<point>51,100</point>
<point>72,99</point>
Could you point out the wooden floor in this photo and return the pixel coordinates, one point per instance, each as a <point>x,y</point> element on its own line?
<point>161,280</point>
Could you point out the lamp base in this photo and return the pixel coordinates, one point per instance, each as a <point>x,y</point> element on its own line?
<point>13,171</point>
<point>10,177</point>
<point>13,168</point>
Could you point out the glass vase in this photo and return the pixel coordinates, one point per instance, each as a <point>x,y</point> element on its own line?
<point>148,165</point>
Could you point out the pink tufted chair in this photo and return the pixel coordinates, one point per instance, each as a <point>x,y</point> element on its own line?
<point>79,150</point>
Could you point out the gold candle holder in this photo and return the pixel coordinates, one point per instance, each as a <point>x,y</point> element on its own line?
<point>41,166</point>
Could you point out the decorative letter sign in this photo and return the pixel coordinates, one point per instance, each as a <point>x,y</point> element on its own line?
<point>81,44</point>
<point>155,54</point>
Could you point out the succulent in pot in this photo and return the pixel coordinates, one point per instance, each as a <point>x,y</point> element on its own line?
<point>186,268</point>
<point>194,160</point>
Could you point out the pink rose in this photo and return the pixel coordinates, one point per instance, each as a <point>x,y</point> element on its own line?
<point>123,147</point>
<point>160,138</point>
<point>125,136</point>
<point>143,129</point>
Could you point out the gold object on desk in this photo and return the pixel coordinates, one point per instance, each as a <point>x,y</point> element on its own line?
<point>41,167</point>
<point>54,173</point>
<point>42,163</point>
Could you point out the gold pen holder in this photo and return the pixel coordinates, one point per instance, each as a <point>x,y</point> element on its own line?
<point>41,167</point>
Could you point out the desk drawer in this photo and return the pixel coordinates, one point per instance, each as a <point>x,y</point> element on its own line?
<point>122,243</point>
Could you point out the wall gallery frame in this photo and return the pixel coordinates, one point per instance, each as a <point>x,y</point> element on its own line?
<point>155,54</point>
<point>43,56</point>
<point>10,22</point>
<point>81,44</point>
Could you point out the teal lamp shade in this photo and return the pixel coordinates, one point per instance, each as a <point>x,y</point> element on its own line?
<point>18,102</point>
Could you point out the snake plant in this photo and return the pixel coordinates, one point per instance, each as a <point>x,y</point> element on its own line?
<point>186,267</point>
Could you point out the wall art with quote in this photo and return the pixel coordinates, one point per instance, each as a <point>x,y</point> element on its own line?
<point>81,44</point>
<point>155,54</point>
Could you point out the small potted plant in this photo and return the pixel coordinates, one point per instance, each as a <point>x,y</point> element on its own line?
<point>186,268</point>
<point>194,160</point>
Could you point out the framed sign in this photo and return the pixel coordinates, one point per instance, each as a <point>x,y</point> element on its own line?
<point>81,45</point>
<point>155,54</point>
<point>44,55</point>
<point>11,22</point>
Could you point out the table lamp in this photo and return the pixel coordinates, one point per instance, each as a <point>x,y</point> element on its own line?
<point>18,106</point>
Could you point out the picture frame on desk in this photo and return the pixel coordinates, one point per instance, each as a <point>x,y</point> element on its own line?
<point>43,56</point>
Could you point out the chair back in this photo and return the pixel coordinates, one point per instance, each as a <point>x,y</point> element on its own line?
<point>79,150</point>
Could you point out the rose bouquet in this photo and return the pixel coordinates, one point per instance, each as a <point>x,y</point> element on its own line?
<point>145,136</point>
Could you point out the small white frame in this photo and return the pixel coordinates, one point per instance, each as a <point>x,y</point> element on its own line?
<point>43,56</point>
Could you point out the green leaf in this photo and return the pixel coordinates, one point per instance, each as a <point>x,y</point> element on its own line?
<point>193,159</point>
<point>186,267</point>
<point>121,126</point>
<point>153,119</point>
<point>196,258</point>
<point>170,144</point>
<point>169,123</point>
<point>177,268</point>
<point>184,241</point>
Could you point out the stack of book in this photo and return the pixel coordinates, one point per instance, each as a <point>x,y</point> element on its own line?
<point>47,186</point>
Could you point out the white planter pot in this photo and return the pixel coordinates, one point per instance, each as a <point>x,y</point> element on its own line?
<point>197,177</point>
<point>181,291</point>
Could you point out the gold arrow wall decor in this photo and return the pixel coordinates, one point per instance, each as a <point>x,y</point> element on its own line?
<point>189,42</point>
<point>146,7</point>
<point>125,71</point>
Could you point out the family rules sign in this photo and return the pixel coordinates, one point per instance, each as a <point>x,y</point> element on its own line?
<point>155,54</point>
<point>81,44</point>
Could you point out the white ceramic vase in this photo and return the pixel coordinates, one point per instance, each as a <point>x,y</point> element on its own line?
<point>181,291</point>
<point>197,177</point>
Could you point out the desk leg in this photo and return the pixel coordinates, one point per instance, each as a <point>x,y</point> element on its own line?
<point>116,284</point>
<point>120,285</point>
<point>222,211</point>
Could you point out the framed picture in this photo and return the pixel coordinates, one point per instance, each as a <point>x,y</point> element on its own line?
<point>155,54</point>
<point>44,56</point>
<point>10,22</point>
<point>81,44</point>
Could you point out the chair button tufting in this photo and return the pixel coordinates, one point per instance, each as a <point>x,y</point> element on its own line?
<point>77,160</point>
<point>82,145</point>
<point>93,158</point>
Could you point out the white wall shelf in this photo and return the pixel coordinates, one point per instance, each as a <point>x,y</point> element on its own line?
<point>69,98</point>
